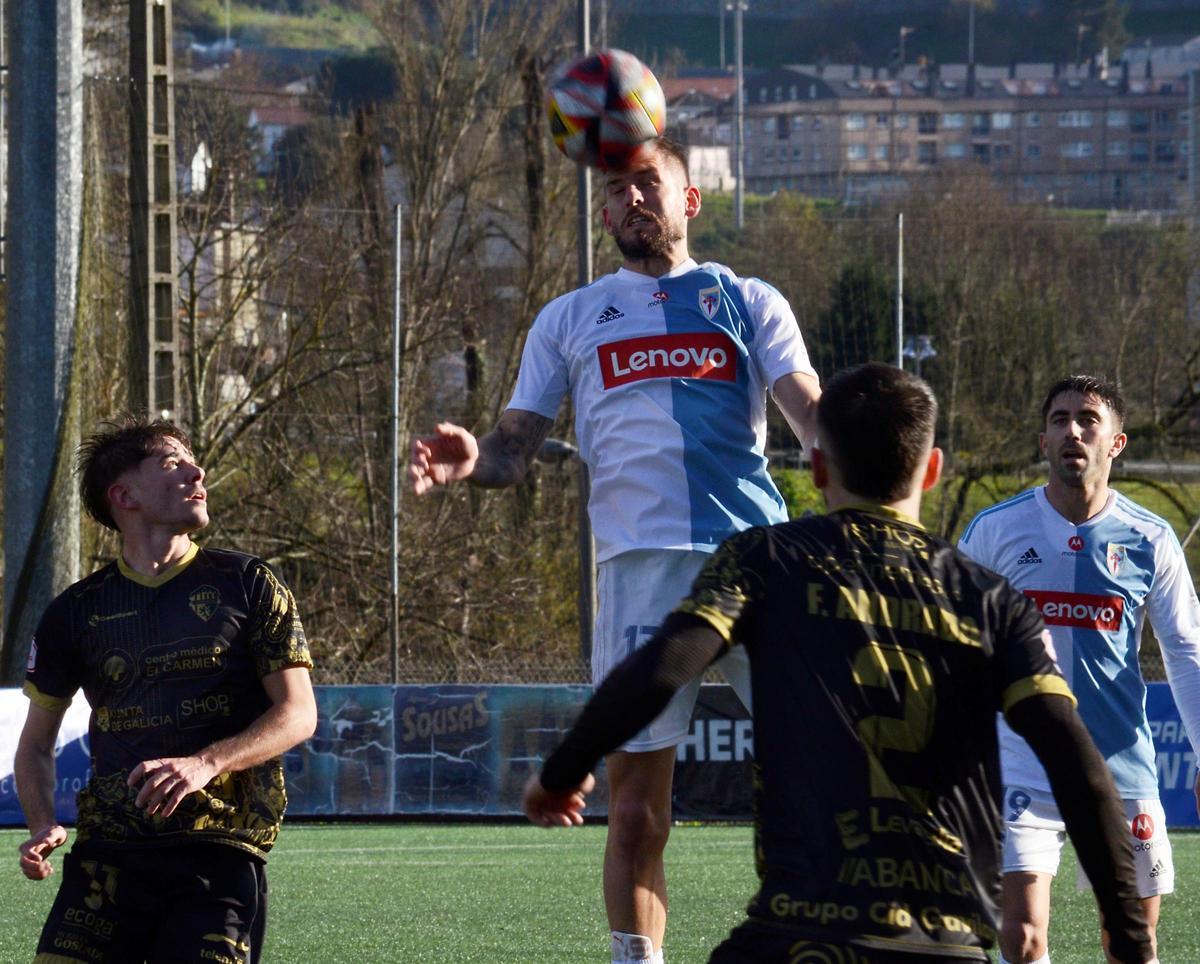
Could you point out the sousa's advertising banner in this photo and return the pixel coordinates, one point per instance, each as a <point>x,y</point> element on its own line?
<point>468,750</point>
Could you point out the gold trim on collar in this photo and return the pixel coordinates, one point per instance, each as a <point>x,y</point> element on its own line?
<point>165,576</point>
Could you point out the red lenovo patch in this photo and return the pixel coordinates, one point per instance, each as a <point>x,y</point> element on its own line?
<point>1079,610</point>
<point>699,354</point>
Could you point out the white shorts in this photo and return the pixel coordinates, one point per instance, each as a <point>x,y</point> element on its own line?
<point>1034,833</point>
<point>636,590</point>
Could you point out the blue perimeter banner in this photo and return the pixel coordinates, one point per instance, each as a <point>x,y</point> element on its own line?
<point>460,750</point>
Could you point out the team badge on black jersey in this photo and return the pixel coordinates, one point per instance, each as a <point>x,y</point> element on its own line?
<point>204,601</point>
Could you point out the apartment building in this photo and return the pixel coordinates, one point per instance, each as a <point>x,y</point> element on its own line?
<point>1083,137</point>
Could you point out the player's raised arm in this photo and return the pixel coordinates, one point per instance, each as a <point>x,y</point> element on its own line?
<point>34,770</point>
<point>500,458</point>
<point>797,394</point>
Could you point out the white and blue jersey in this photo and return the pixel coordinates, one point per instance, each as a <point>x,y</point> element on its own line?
<point>1094,585</point>
<point>669,377</point>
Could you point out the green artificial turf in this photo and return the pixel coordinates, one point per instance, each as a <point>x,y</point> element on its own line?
<point>511,894</point>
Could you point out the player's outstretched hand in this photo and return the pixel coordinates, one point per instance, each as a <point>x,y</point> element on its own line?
<point>36,851</point>
<point>548,809</point>
<point>164,783</point>
<point>448,456</point>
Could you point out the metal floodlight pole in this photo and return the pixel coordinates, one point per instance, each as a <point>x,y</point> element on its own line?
<point>1193,286</point>
<point>397,347</point>
<point>900,290</point>
<point>721,42</point>
<point>739,193</point>
<point>587,547</point>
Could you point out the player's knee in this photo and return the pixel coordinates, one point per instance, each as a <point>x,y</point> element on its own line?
<point>638,826</point>
<point>1021,941</point>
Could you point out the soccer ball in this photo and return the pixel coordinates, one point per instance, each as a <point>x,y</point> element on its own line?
<point>603,107</point>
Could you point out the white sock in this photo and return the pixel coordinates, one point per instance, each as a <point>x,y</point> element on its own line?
<point>633,949</point>
<point>658,957</point>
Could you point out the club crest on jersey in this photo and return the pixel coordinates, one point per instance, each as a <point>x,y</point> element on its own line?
<point>1115,556</point>
<point>710,302</point>
<point>203,601</point>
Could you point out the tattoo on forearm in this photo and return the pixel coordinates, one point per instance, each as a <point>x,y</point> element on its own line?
<point>506,452</point>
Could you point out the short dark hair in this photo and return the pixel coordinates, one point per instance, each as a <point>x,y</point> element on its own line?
<point>120,445</point>
<point>672,149</point>
<point>875,424</point>
<point>1108,392</point>
<point>675,150</point>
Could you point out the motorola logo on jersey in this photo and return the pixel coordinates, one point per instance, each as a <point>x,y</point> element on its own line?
<point>1075,543</point>
<point>1079,610</point>
<point>701,354</point>
<point>1142,826</point>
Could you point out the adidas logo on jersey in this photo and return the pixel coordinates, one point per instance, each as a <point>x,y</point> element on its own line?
<point>1030,556</point>
<point>1157,869</point>
<point>609,314</point>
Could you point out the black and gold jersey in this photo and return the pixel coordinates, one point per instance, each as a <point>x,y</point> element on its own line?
<point>169,665</point>
<point>880,656</point>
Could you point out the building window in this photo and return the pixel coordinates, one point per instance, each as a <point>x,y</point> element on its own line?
<point>980,153</point>
<point>792,94</point>
<point>956,150</point>
<point>953,121</point>
<point>768,125</point>
<point>797,122</point>
<point>1117,118</point>
<point>927,123</point>
<point>926,152</point>
<point>1075,118</point>
<point>1002,120</point>
<point>1117,148</point>
<point>881,120</point>
<point>902,152</point>
<point>1139,121</point>
<point>778,93</point>
<point>1164,120</point>
<point>1164,152</point>
<point>881,152</point>
<point>797,153</point>
<point>980,123</point>
<point>902,122</point>
<point>816,154</point>
<point>762,95</point>
<point>1139,151</point>
<point>769,154</point>
<point>816,123</point>
<point>856,152</point>
<point>856,122</point>
<point>1001,152</point>
<point>1033,150</point>
<point>1033,119</point>
<point>1076,149</point>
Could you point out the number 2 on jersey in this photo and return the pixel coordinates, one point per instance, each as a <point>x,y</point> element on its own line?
<point>906,674</point>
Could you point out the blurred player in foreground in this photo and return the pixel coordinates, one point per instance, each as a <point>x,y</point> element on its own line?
<point>1095,564</point>
<point>197,671</point>
<point>668,363</point>
<point>879,657</point>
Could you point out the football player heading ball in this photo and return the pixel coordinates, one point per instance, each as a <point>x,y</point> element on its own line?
<point>669,364</point>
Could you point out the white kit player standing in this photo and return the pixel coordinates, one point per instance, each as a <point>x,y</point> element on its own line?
<point>1096,564</point>
<point>668,363</point>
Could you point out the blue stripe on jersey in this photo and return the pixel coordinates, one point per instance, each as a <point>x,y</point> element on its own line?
<point>1106,677</point>
<point>729,488</point>
<point>1007,503</point>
